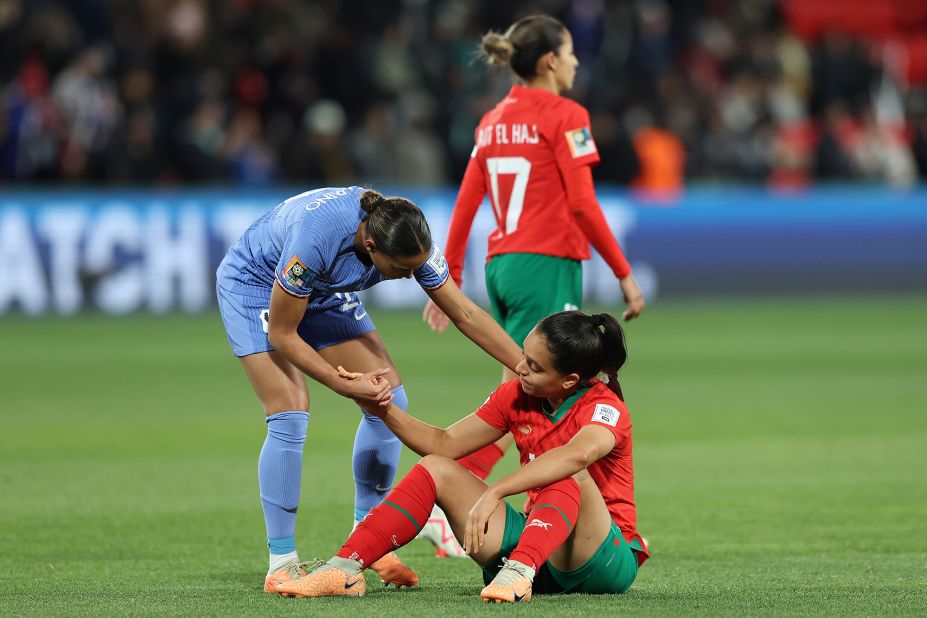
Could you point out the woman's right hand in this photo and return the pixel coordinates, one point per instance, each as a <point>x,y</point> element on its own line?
<point>371,390</point>
<point>435,318</point>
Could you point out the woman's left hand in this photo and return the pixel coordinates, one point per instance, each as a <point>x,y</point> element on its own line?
<point>478,521</point>
<point>632,297</point>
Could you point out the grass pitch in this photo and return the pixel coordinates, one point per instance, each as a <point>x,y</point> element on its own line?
<point>781,458</point>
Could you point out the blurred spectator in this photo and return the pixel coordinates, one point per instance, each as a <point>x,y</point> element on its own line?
<point>135,155</point>
<point>372,145</point>
<point>316,151</point>
<point>31,136</point>
<point>420,158</point>
<point>258,91</point>
<point>90,111</point>
<point>661,155</point>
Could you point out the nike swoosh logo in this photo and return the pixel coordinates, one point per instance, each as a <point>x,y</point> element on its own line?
<point>379,488</point>
<point>348,586</point>
<point>518,597</point>
<point>360,316</point>
<point>292,510</point>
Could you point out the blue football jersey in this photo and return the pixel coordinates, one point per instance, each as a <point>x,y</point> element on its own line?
<point>306,244</point>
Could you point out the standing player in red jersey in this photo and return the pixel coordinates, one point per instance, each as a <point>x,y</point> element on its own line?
<point>574,436</point>
<point>533,156</point>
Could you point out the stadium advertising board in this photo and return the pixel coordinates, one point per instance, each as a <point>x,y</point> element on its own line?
<point>122,252</point>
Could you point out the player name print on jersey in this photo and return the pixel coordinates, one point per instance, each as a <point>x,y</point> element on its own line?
<point>606,414</point>
<point>580,141</point>
<point>516,133</point>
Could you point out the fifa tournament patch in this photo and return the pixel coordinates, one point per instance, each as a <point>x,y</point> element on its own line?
<point>606,414</point>
<point>296,273</point>
<point>437,261</point>
<point>581,143</point>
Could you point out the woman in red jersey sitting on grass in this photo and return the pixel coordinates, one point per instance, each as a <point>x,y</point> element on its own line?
<point>573,432</point>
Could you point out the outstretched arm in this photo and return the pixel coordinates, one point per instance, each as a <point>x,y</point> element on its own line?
<point>476,324</point>
<point>467,435</point>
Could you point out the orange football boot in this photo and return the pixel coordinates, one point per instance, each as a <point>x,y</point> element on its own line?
<point>283,574</point>
<point>511,585</point>
<point>392,571</point>
<point>325,580</point>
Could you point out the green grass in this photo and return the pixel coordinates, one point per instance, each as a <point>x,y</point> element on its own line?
<point>781,459</point>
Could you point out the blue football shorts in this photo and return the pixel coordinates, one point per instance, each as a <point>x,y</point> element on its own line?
<point>329,319</point>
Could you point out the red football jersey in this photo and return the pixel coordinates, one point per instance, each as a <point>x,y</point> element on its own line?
<point>523,147</point>
<point>536,431</point>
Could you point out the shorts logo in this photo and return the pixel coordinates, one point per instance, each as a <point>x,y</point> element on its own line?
<point>606,414</point>
<point>351,301</point>
<point>537,523</point>
<point>265,320</point>
<point>580,142</point>
<point>525,429</point>
<point>296,273</point>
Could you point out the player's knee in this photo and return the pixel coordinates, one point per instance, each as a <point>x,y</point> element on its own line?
<point>290,404</point>
<point>438,466</point>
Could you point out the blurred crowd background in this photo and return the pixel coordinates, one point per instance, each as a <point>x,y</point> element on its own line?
<point>255,92</point>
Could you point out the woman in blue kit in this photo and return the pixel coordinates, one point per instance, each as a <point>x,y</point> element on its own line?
<point>287,296</point>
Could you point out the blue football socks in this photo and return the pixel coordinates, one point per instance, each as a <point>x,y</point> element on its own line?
<point>376,457</point>
<point>280,469</point>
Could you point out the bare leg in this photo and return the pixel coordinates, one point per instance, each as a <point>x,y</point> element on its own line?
<point>279,385</point>
<point>362,354</point>
<point>458,490</point>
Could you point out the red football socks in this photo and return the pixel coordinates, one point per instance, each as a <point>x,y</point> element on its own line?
<point>481,462</point>
<point>549,523</point>
<point>395,521</point>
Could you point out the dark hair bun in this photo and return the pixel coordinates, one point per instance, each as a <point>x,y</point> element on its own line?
<point>496,49</point>
<point>370,200</point>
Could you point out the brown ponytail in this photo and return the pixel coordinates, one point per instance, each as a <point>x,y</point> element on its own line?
<point>495,49</point>
<point>523,44</point>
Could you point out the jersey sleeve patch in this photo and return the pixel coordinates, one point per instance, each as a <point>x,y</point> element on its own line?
<point>606,414</point>
<point>433,273</point>
<point>296,273</point>
<point>580,142</point>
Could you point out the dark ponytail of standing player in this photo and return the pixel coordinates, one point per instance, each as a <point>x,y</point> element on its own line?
<point>587,345</point>
<point>523,44</point>
<point>395,224</point>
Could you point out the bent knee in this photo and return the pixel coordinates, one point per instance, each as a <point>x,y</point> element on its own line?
<point>439,466</point>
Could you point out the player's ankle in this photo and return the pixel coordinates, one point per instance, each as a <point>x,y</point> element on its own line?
<point>351,567</point>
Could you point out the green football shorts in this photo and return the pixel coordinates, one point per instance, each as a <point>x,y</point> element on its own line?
<point>611,569</point>
<point>525,288</point>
